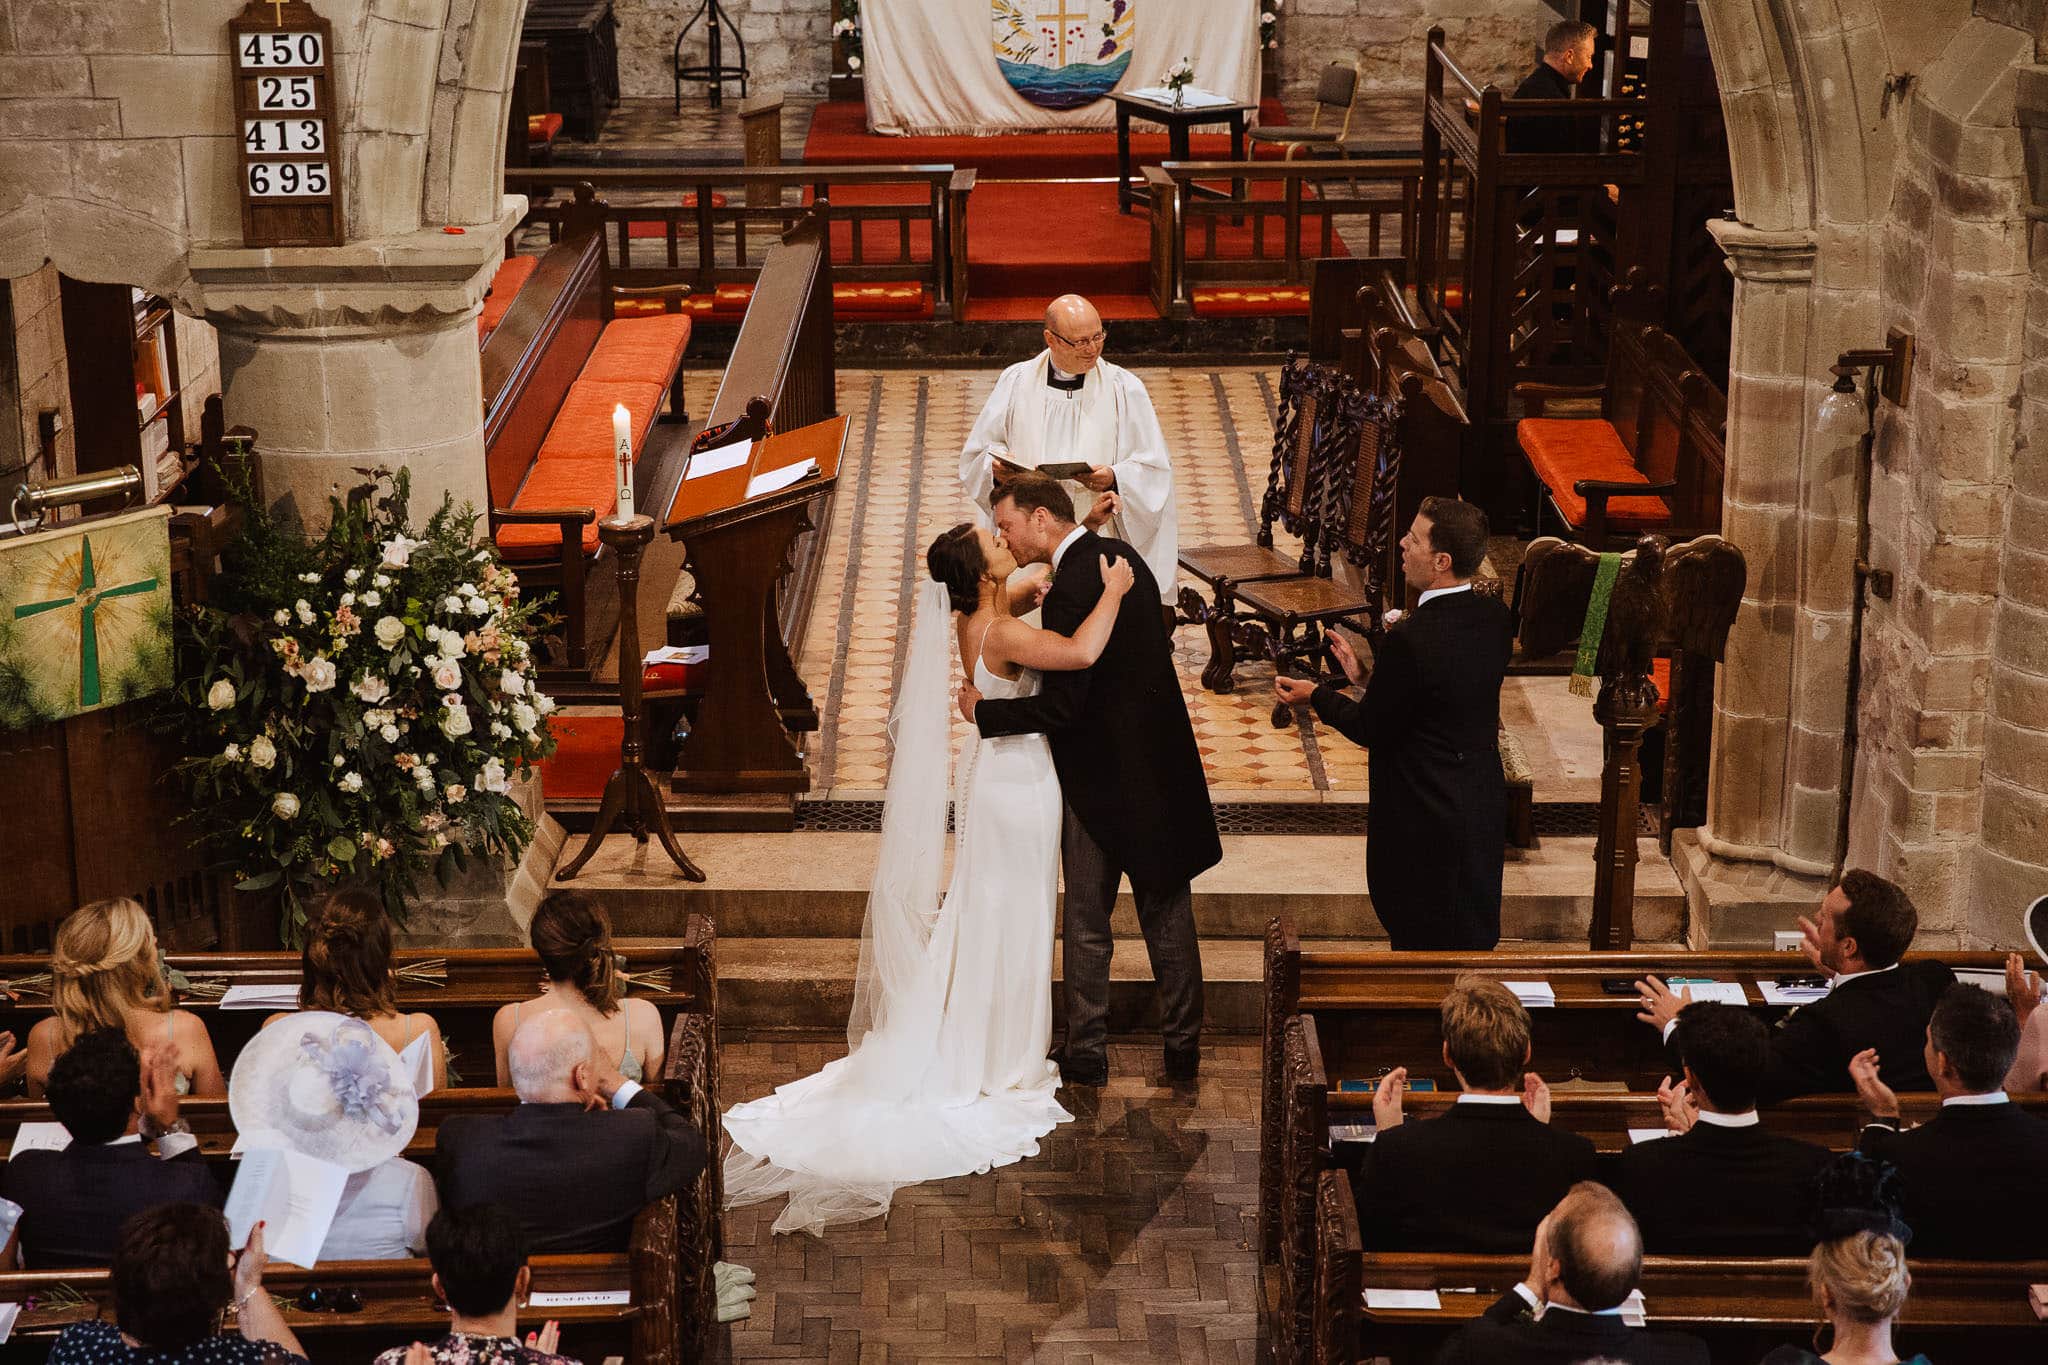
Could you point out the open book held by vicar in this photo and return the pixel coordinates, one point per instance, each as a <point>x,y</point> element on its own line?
<point>1090,424</point>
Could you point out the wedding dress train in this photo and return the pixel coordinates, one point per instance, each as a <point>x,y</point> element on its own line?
<point>952,1017</point>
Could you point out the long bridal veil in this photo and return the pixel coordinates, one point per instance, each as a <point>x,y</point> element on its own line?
<point>837,1137</point>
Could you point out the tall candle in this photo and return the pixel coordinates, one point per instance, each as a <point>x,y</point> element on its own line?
<point>622,444</point>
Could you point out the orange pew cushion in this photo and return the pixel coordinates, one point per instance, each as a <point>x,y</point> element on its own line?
<point>559,483</point>
<point>1563,450</point>
<point>1257,300</point>
<point>637,350</point>
<point>659,228</point>
<point>541,128</point>
<point>506,282</point>
<point>583,427</point>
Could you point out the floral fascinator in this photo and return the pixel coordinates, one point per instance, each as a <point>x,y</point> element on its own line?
<point>329,1087</point>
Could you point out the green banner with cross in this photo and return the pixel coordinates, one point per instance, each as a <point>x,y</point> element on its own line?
<point>85,617</point>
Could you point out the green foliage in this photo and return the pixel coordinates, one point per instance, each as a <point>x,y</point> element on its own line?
<point>356,707</point>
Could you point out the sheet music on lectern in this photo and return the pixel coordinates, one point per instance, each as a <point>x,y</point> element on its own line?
<point>718,459</point>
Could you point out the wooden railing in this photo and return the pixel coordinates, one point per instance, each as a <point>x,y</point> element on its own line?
<point>1378,195</point>
<point>717,222</point>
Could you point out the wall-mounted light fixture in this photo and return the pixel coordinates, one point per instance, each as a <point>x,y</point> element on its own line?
<point>1849,412</point>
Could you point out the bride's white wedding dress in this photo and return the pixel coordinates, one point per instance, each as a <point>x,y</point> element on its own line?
<point>953,1012</point>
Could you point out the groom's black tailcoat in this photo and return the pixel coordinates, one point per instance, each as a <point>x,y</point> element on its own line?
<point>1119,731</point>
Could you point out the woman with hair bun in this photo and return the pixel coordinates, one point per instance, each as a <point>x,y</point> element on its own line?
<point>345,968</point>
<point>105,973</point>
<point>573,939</point>
<point>1858,1269</point>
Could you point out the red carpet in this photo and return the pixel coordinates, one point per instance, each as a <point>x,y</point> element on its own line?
<point>839,134</point>
<point>586,753</point>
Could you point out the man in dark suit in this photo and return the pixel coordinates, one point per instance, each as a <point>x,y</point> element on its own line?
<point>1587,1258</point>
<point>1963,1170</point>
<point>1567,57</point>
<point>1137,800</point>
<point>583,1153</point>
<point>1876,1001</point>
<point>74,1201</point>
<point>1480,1177</point>
<point>1722,1186</point>
<point>1431,721</point>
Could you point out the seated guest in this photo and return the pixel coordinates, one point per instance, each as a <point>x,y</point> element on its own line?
<point>173,1280</point>
<point>1587,1260</point>
<point>1875,1001</point>
<point>573,940</point>
<point>73,1201</point>
<point>105,973</point>
<point>1567,58</point>
<point>1857,1269</point>
<point>1724,1186</point>
<point>328,1087</point>
<point>576,1177</point>
<point>479,1257</point>
<point>1481,1176</point>
<point>345,968</point>
<point>1962,1169</point>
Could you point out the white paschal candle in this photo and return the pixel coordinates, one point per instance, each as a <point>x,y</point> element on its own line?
<point>622,445</point>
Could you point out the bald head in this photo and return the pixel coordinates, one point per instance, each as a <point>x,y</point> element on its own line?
<point>1595,1247</point>
<point>544,1054</point>
<point>1073,333</point>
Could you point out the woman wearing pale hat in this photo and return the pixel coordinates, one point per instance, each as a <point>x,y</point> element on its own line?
<point>326,1086</point>
<point>345,968</point>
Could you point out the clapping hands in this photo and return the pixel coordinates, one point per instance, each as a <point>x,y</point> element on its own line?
<point>2022,989</point>
<point>1877,1097</point>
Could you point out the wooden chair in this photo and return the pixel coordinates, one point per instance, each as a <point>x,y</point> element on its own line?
<point>1293,498</point>
<point>1336,97</point>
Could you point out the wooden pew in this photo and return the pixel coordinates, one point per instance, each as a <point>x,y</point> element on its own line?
<point>463,988</point>
<point>399,1304</point>
<point>1742,1306</point>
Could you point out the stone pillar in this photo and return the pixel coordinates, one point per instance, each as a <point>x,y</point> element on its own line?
<point>354,357</point>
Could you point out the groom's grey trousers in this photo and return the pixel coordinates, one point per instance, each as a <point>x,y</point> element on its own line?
<point>1167,917</point>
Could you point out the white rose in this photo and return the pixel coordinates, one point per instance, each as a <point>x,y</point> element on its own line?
<point>282,617</point>
<point>309,578</point>
<point>389,734</point>
<point>319,673</point>
<point>352,577</point>
<point>221,695</point>
<point>853,63</point>
<point>451,604</point>
<point>284,805</point>
<point>232,753</point>
<point>456,794</point>
<point>398,552</point>
<point>447,675</point>
<point>525,717</point>
<point>381,580</point>
<point>432,759</point>
<point>510,683</point>
<point>455,722</point>
<point>351,781</point>
<point>305,611</point>
<point>500,730</point>
<point>543,703</point>
<point>390,630</point>
<point>492,778</point>
<point>340,759</point>
<point>262,753</point>
<point>348,599</point>
<point>449,645</point>
<point>371,688</point>
<point>479,607</point>
<point>371,599</point>
<point>425,778</point>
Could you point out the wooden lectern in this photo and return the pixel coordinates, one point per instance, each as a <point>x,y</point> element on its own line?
<point>738,547</point>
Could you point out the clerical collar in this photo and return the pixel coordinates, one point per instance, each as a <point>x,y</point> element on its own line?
<point>1060,550</point>
<point>1057,378</point>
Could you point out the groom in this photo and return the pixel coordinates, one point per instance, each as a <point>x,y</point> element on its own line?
<point>1137,801</point>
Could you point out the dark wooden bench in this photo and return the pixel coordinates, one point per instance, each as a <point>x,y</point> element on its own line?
<point>399,1304</point>
<point>1742,1306</point>
<point>553,368</point>
<point>1652,458</point>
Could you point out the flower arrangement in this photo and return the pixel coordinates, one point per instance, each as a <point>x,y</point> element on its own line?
<point>1269,24</point>
<point>1178,78</point>
<point>357,707</point>
<point>847,30</point>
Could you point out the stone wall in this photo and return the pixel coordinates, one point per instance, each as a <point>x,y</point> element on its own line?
<point>40,377</point>
<point>789,41</point>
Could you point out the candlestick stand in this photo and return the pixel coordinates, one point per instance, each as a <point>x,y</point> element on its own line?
<point>630,796</point>
<point>716,71</point>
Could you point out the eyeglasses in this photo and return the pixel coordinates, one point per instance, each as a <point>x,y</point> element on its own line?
<point>1082,343</point>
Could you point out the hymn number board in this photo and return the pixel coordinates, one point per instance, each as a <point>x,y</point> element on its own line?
<point>283,70</point>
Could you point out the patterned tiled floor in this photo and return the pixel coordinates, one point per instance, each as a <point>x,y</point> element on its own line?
<point>899,488</point>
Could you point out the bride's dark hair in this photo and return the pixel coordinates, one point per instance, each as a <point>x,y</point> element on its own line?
<point>955,559</point>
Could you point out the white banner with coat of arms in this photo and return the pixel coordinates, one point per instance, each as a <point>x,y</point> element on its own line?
<point>967,67</point>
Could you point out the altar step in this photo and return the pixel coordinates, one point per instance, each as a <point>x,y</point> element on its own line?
<point>788,909</point>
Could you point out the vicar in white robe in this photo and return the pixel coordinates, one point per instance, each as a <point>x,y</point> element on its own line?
<point>1067,405</point>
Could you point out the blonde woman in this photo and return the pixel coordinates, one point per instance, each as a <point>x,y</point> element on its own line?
<point>1858,1269</point>
<point>573,939</point>
<point>105,974</point>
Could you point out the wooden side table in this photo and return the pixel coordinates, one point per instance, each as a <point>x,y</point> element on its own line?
<point>1176,122</point>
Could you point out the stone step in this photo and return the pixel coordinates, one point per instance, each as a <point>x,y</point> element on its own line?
<point>774,986</point>
<point>814,886</point>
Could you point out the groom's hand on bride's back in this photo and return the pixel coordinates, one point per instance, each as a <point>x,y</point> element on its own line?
<point>969,698</point>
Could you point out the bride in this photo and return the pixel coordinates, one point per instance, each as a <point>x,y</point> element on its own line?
<point>952,1008</point>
